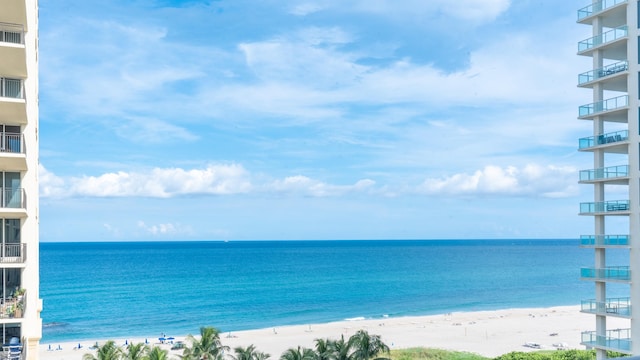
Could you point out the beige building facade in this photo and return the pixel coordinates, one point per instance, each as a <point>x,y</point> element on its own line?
<point>20,303</point>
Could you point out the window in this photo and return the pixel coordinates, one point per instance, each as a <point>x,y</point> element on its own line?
<point>10,138</point>
<point>11,36</point>
<point>11,88</point>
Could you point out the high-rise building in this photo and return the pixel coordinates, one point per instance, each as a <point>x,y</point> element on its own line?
<point>615,177</point>
<point>20,303</point>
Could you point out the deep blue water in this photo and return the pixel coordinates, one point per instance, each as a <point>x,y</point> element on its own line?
<point>116,290</point>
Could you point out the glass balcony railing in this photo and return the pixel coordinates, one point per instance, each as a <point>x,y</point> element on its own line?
<point>591,141</point>
<point>597,7</point>
<point>621,273</point>
<point>11,33</point>
<point>12,198</point>
<point>604,105</point>
<point>604,206</point>
<point>605,37</point>
<point>602,72</point>
<point>618,339</point>
<point>604,173</point>
<point>613,306</point>
<point>604,240</point>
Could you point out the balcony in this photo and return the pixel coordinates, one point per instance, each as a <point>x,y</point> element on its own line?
<point>613,206</point>
<point>609,273</point>
<point>12,308</point>
<point>12,50</point>
<point>619,307</point>
<point>604,240</point>
<point>12,152</point>
<point>617,137</point>
<point>612,175</point>
<point>616,340</point>
<point>614,14</point>
<point>13,253</point>
<point>12,103</point>
<point>614,109</point>
<point>12,198</point>
<point>611,42</point>
<point>612,77</point>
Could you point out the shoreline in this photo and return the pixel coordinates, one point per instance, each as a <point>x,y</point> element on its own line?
<point>489,333</point>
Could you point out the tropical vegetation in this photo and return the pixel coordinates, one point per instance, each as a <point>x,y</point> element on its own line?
<point>360,346</point>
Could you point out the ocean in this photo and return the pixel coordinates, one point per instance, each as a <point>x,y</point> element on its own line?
<point>143,289</point>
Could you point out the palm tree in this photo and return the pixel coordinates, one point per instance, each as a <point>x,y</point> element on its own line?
<point>323,349</point>
<point>340,349</point>
<point>136,351</point>
<point>208,347</point>
<point>249,353</point>
<point>298,354</point>
<point>156,353</point>
<point>366,346</point>
<point>108,351</point>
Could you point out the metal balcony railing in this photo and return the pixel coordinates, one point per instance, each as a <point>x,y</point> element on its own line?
<point>604,240</point>
<point>604,173</point>
<point>602,72</point>
<point>11,88</point>
<point>11,33</point>
<point>13,253</point>
<point>621,273</point>
<point>604,206</point>
<point>605,37</point>
<point>11,143</point>
<point>604,105</point>
<point>613,137</point>
<point>613,306</point>
<point>597,7</point>
<point>618,339</point>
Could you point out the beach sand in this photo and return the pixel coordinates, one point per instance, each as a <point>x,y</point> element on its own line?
<point>488,333</point>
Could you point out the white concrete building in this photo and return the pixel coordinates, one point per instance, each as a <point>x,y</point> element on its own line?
<point>615,177</point>
<point>20,303</point>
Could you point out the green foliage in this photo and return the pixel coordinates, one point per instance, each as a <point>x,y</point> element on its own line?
<point>136,351</point>
<point>207,347</point>
<point>108,351</point>
<point>157,353</point>
<point>300,353</point>
<point>249,353</point>
<point>432,354</point>
<point>557,355</point>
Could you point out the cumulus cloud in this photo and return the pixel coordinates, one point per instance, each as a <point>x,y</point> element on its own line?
<point>531,180</point>
<point>309,187</point>
<point>158,182</point>
<point>171,182</point>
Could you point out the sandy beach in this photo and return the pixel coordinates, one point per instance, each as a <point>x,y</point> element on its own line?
<point>488,333</point>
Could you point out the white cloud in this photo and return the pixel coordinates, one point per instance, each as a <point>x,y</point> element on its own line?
<point>50,184</point>
<point>531,180</point>
<point>165,229</point>
<point>158,182</point>
<point>309,187</point>
<point>305,9</point>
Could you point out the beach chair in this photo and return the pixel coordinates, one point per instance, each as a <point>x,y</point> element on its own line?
<point>15,348</point>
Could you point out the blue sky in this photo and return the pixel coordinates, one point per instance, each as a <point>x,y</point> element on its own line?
<point>377,119</point>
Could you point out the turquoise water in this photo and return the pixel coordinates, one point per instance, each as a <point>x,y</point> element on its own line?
<point>116,290</point>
